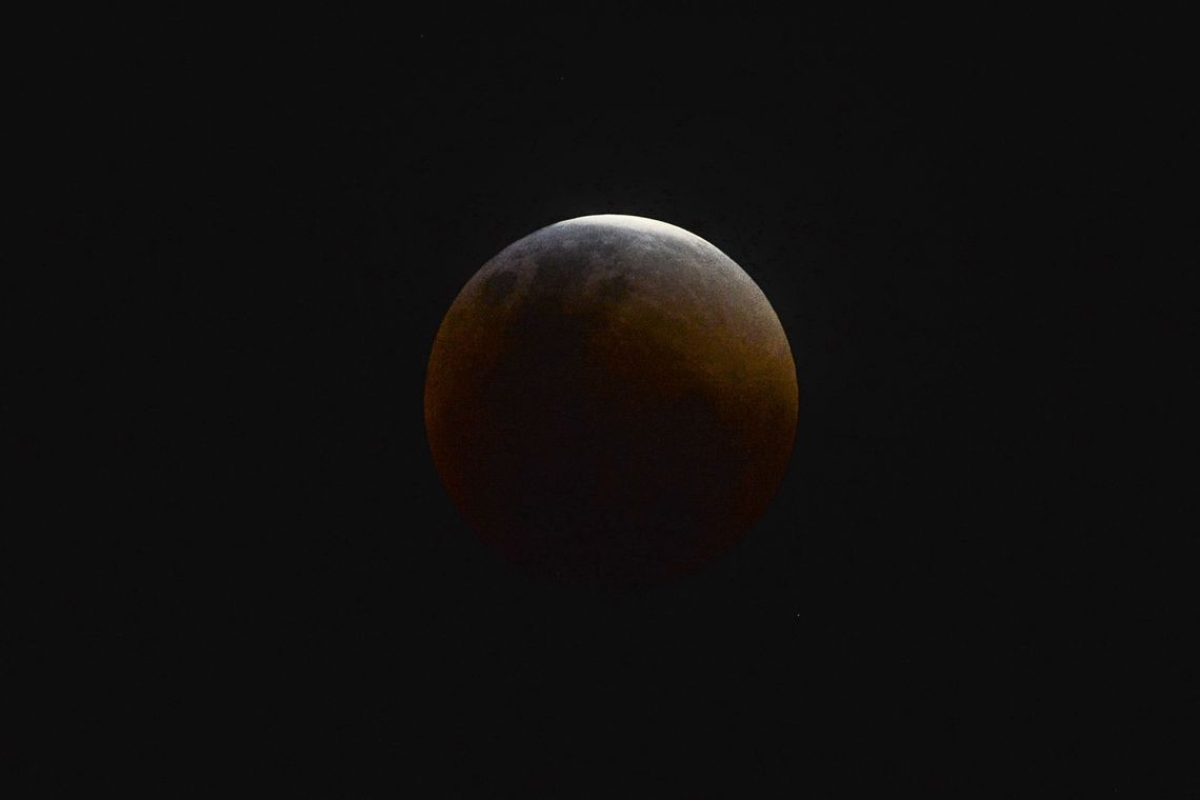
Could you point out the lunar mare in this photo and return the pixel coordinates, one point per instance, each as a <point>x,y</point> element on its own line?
<point>611,401</point>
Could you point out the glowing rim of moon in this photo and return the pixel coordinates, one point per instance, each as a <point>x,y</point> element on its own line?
<point>645,224</point>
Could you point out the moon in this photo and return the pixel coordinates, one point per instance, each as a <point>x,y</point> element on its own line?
<point>611,401</point>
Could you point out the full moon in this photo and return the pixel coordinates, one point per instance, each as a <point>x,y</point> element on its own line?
<point>611,401</point>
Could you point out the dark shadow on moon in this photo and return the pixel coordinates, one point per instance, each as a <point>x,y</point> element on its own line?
<point>583,478</point>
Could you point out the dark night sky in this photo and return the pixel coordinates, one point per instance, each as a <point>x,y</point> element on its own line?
<point>263,575</point>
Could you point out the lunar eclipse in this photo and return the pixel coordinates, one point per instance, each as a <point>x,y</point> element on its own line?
<point>611,401</point>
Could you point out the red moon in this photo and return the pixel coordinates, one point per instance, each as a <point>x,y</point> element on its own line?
<point>611,401</point>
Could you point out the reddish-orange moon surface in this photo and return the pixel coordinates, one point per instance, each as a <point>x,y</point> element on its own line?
<point>611,401</point>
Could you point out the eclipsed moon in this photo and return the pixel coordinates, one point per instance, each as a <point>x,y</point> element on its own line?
<point>611,401</point>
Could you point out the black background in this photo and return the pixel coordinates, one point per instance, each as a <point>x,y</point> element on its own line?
<point>251,576</point>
